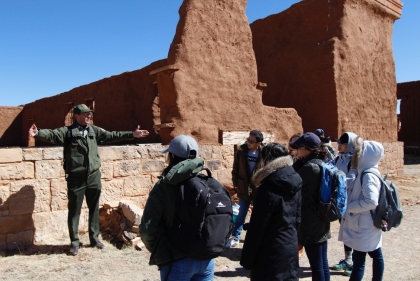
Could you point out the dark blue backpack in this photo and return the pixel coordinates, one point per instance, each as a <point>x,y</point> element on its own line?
<point>332,201</point>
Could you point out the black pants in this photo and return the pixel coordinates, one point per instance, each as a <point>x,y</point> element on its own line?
<point>79,186</point>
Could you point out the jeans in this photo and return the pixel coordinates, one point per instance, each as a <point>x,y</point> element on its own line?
<point>240,219</point>
<point>317,256</point>
<point>359,260</point>
<point>189,269</point>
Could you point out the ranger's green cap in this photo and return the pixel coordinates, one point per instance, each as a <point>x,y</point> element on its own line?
<point>81,108</point>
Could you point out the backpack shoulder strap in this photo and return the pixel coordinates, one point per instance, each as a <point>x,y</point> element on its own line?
<point>316,161</point>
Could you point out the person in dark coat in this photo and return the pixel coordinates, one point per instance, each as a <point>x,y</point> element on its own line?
<point>314,231</point>
<point>270,249</point>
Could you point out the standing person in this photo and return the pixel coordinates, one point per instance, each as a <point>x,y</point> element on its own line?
<point>314,232</point>
<point>81,165</point>
<point>357,229</point>
<point>270,249</point>
<point>292,151</point>
<point>159,212</point>
<point>326,143</point>
<point>342,162</point>
<point>245,163</point>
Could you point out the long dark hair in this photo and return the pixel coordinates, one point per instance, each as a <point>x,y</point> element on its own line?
<point>320,152</point>
<point>172,160</point>
<point>272,151</point>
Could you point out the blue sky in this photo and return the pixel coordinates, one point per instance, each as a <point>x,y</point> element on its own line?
<point>49,47</point>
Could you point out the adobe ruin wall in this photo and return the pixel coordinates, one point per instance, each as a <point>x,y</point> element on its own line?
<point>10,125</point>
<point>33,191</point>
<point>333,62</point>
<point>121,103</point>
<point>409,93</point>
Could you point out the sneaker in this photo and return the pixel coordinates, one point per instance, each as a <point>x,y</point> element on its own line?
<point>342,265</point>
<point>348,271</point>
<point>232,243</point>
<point>74,250</point>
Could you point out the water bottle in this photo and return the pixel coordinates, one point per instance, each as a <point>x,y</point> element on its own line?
<point>235,210</point>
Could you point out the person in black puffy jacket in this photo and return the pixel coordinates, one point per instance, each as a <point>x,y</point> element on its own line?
<point>270,249</point>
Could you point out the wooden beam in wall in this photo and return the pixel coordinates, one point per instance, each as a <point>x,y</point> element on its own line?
<point>235,137</point>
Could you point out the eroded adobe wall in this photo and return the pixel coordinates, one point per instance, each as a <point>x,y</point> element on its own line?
<point>10,126</point>
<point>294,52</point>
<point>333,62</point>
<point>409,93</point>
<point>215,85</point>
<point>121,103</point>
<point>365,71</point>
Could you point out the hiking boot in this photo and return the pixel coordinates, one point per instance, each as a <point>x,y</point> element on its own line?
<point>342,265</point>
<point>348,271</point>
<point>98,245</point>
<point>232,243</point>
<point>74,250</point>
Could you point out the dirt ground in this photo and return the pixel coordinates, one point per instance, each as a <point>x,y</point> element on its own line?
<point>401,248</point>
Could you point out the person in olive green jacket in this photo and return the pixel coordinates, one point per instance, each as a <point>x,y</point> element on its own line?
<point>159,212</point>
<point>81,165</point>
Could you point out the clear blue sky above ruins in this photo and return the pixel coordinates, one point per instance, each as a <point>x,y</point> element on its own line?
<point>50,47</point>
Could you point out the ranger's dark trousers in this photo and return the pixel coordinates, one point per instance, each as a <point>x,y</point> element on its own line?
<point>79,186</point>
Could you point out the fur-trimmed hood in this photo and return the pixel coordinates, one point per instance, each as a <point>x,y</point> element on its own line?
<point>274,175</point>
<point>367,154</point>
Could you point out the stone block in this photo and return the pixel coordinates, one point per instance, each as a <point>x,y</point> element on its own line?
<point>112,190</point>
<point>53,153</point>
<point>9,224</point>
<point>224,176</point>
<point>4,194</point>
<point>10,155</point>
<point>48,169</point>
<point>124,168</point>
<point>3,242</point>
<point>149,166</point>
<point>205,152</point>
<point>110,153</point>
<point>111,205</point>
<point>217,152</point>
<point>51,227</point>
<point>213,165</point>
<point>143,150</point>
<point>20,239</point>
<point>155,177</point>
<point>227,150</point>
<point>29,196</point>
<point>17,171</point>
<point>155,151</point>
<point>137,186</point>
<point>32,154</point>
<point>59,198</point>
<point>107,170</point>
<point>131,211</point>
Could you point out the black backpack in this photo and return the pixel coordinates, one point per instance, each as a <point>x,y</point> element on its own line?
<point>389,207</point>
<point>203,218</point>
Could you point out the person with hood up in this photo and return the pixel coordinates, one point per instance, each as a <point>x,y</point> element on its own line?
<point>314,231</point>
<point>159,212</point>
<point>342,162</point>
<point>357,229</point>
<point>270,249</point>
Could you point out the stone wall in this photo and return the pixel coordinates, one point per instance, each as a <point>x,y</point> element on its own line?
<point>10,126</point>
<point>409,93</point>
<point>33,191</point>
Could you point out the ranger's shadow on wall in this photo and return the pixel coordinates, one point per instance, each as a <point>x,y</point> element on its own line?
<point>17,225</point>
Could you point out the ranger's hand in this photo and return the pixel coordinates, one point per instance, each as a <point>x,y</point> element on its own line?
<point>140,133</point>
<point>33,131</point>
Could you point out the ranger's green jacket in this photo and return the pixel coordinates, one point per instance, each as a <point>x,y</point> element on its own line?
<point>159,211</point>
<point>81,154</point>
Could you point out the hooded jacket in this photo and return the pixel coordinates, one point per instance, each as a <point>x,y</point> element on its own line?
<point>241,177</point>
<point>159,211</point>
<point>313,229</point>
<point>271,248</point>
<point>357,230</point>
<point>342,162</point>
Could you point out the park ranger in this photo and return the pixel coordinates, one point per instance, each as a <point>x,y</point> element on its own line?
<point>81,165</point>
